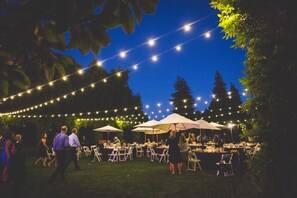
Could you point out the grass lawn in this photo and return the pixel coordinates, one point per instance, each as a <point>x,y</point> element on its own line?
<point>136,178</point>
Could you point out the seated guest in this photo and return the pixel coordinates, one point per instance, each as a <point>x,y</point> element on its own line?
<point>219,141</point>
<point>107,144</point>
<point>204,138</point>
<point>124,144</point>
<point>199,138</point>
<point>117,141</point>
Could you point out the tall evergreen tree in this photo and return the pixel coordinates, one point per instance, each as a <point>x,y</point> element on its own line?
<point>218,108</point>
<point>183,100</point>
<point>235,107</point>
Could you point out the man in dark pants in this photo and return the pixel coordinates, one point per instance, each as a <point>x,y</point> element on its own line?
<point>73,143</point>
<point>61,147</point>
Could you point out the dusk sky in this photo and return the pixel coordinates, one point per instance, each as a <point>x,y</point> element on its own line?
<point>197,61</point>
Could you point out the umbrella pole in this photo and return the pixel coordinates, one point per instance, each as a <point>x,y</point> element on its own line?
<point>153,134</point>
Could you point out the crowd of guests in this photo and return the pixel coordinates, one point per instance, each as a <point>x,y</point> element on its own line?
<point>64,151</point>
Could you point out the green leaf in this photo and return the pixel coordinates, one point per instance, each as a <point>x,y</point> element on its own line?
<point>110,7</point>
<point>148,6</point>
<point>84,42</point>
<point>94,45</point>
<point>74,37</point>
<point>101,35</point>
<point>126,18</point>
<point>3,87</point>
<point>60,68</point>
<point>20,79</point>
<point>49,73</point>
<point>137,12</point>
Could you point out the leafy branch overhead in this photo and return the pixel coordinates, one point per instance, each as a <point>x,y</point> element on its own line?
<point>35,34</point>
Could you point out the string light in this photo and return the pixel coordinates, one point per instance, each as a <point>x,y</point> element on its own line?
<point>135,67</point>
<point>187,27</point>
<point>99,63</point>
<point>151,42</point>
<point>104,81</point>
<point>64,78</point>
<point>178,48</point>
<point>80,71</point>
<point>207,35</point>
<point>162,52</point>
<point>154,58</point>
<point>123,54</point>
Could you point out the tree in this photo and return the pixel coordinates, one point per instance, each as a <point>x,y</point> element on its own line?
<point>35,34</point>
<point>218,108</point>
<point>183,100</point>
<point>268,31</point>
<point>235,105</point>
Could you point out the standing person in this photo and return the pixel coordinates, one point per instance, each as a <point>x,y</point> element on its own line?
<point>174,152</point>
<point>184,148</point>
<point>74,144</point>
<point>17,167</point>
<point>42,150</point>
<point>8,151</point>
<point>61,144</point>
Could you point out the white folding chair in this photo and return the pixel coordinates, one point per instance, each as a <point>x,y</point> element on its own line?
<point>122,154</point>
<point>148,152</point>
<point>87,151</point>
<point>97,155</point>
<point>49,154</point>
<point>129,154</point>
<point>113,157</point>
<point>154,155</point>
<point>139,151</point>
<point>225,165</point>
<point>163,156</point>
<point>194,161</point>
<point>93,147</point>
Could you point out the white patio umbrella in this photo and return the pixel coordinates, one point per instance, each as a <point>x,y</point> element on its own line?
<point>107,129</point>
<point>149,124</point>
<point>176,122</point>
<point>205,125</point>
<point>149,130</point>
<point>218,125</point>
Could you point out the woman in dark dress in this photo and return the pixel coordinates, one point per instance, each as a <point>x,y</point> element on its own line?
<point>7,153</point>
<point>174,152</point>
<point>42,150</point>
<point>17,167</point>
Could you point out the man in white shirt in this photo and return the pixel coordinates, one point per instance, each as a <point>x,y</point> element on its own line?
<point>73,143</point>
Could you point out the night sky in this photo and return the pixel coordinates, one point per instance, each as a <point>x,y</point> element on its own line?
<point>197,62</point>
